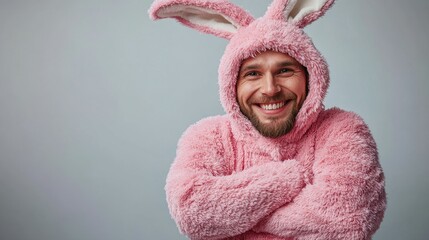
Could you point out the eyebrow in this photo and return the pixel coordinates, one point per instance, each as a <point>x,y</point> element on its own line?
<point>250,67</point>
<point>256,66</point>
<point>287,63</point>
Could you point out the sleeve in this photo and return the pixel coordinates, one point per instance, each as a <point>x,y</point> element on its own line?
<point>210,201</point>
<point>346,199</point>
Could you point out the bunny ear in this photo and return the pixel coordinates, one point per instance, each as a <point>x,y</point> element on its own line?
<point>300,12</point>
<point>218,17</point>
<point>305,12</point>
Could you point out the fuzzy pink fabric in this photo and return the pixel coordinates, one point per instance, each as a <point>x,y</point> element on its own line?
<point>327,185</point>
<point>322,180</point>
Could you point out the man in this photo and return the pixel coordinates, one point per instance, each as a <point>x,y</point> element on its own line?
<point>277,165</point>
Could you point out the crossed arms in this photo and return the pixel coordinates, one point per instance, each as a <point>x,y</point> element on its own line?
<point>345,200</point>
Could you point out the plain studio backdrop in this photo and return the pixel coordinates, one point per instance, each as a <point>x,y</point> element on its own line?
<point>94,97</point>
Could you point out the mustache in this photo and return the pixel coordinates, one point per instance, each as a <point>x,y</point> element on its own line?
<point>280,97</point>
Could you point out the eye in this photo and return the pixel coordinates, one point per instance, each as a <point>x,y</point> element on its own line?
<point>251,74</point>
<point>285,70</point>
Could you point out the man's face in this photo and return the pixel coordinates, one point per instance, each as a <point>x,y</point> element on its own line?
<point>270,91</point>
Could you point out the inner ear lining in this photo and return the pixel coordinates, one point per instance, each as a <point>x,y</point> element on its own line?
<point>200,16</point>
<point>304,7</point>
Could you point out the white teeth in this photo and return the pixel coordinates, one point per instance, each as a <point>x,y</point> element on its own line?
<point>272,106</point>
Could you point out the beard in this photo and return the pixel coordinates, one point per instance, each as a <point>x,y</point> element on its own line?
<point>277,127</point>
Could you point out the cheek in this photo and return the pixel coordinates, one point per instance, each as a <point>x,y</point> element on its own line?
<point>244,92</point>
<point>299,87</point>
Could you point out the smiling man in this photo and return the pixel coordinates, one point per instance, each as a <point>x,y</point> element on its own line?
<point>277,165</point>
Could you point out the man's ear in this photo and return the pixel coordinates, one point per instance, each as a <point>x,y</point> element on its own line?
<point>218,17</point>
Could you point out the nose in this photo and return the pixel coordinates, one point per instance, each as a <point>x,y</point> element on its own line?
<point>269,85</point>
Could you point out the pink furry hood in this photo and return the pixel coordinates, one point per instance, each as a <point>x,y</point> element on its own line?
<point>260,36</point>
<point>280,29</point>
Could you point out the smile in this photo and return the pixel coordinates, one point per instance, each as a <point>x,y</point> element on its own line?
<point>272,106</point>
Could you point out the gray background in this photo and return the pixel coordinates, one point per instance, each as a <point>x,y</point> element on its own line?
<point>94,96</point>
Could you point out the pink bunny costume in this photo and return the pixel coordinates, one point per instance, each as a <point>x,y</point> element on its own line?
<point>322,180</point>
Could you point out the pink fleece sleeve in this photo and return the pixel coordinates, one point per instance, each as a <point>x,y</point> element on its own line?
<point>210,201</point>
<point>347,198</point>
